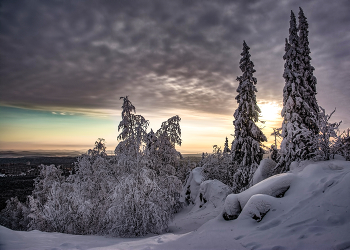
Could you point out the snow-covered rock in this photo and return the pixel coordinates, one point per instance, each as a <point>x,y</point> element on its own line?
<point>264,171</point>
<point>274,186</point>
<point>207,205</point>
<point>213,193</point>
<point>338,157</point>
<point>190,190</point>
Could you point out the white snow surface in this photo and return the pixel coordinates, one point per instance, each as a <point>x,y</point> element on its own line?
<point>264,170</point>
<point>191,188</point>
<point>313,214</point>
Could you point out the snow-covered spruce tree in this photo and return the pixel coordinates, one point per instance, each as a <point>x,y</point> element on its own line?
<point>226,148</point>
<point>247,151</point>
<point>309,81</point>
<point>299,127</point>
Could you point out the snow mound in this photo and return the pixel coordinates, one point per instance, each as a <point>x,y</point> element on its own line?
<point>264,171</point>
<point>339,157</point>
<point>274,186</point>
<point>312,214</point>
<point>208,204</point>
<point>190,190</point>
<point>211,193</point>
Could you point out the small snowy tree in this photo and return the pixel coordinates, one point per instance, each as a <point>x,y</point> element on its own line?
<point>133,130</point>
<point>218,166</point>
<point>226,148</point>
<point>342,145</point>
<point>99,149</point>
<point>161,145</point>
<point>274,153</point>
<point>299,127</point>
<point>327,131</point>
<point>247,151</point>
<point>15,215</point>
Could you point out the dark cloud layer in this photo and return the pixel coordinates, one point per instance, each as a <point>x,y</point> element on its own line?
<point>163,54</point>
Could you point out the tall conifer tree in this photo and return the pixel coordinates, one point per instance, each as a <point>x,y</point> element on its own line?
<point>309,80</point>
<point>298,127</point>
<point>247,149</point>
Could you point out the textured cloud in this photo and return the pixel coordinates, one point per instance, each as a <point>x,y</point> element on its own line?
<point>163,54</point>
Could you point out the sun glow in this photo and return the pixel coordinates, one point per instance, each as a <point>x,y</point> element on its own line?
<point>270,111</point>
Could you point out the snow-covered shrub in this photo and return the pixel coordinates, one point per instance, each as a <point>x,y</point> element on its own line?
<point>327,132</point>
<point>15,215</point>
<point>218,166</point>
<point>72,204</point>
<point>342,145</point>
<point>139,204</point>
<point>131,194</point>
<point>121,197</point>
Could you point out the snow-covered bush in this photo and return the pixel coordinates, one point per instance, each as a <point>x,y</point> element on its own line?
<point>218,166</point>
<point>140,204</point>
<point>342,145</point>
<point>328,131</point>
<point>131,194</point>
<point>122,197</point>
<point>15,215</point>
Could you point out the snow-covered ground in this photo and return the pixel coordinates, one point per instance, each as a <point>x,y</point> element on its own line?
<point>313,214</point>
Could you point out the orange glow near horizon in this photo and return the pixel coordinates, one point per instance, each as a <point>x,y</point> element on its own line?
<point>40,130</point>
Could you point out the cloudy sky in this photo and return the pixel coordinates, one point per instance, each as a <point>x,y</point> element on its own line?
<point>64,65</point>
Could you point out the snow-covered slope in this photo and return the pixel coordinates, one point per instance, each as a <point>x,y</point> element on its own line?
<point>313,214</point>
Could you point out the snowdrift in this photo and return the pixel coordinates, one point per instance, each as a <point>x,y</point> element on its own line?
<point>204,199</point>
<point>314,213</point>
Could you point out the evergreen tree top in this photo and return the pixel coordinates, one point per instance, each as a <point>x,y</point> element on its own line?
<point>246,66</point>
<point>293,31</point>
<point>303,37</point>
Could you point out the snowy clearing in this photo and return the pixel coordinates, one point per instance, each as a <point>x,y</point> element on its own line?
<point>313,214</point>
